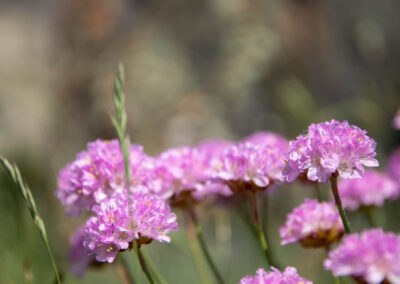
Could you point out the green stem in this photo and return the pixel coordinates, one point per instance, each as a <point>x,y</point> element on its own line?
<point>136,250</point>
<point>203,246</point>
<point>153,269</point>
<point>338,201</point>
<point>53,262</point>
<point>144,266</point>
<point>257,223</point>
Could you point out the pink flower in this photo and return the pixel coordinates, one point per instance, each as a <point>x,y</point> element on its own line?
<point>97,174</point>
<point>253,164</point>
<point>313,224</point>
<point>327,148</point>
<point>112,230</point>
<point>78,255</point>
<point>372,257</point>
<point>371,190</point>
<point>289,276</point>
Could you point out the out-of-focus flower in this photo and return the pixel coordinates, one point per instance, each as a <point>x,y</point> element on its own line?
<point>328,148</point>
<point>313,224</point>
<point>393,167</point>
<point>112,230</point>
<point>78,255</point>
<point>396,120</point>
<point>370,190</point>
<point>289,276</point>
<point>185,170</point>
<point>372,257</point>
<point>253,164</point>
<point>97,174</point>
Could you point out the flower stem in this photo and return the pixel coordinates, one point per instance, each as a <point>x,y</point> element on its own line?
<point>153,269</point>
<point>203,246</point>
<point>259,230</point>
<point>144,266</point>
<point>338,201</point>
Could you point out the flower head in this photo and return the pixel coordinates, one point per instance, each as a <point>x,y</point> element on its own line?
<point>393,167</point>
<point>328,148</point>
<point>371,190</point>
<point>112,230</point>
<point>97,174</point>
<point>253,164</point>
<point>313,224</point>
<point>372,257</point>
<point>289,276</point>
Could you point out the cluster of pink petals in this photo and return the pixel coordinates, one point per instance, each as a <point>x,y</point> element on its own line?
<point>254,163</point>
<point>393,167</point>
<point>289,276</point>
<point>97,174</point>
<point>313,224</point>
<point>372,257</point>
<point>370,190</point>
<point>189,169</point>
<point>396,120</point>
<point>330,147</point>
<point>113,227</point>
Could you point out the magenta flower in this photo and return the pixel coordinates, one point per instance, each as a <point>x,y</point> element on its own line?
<point>289,276</point>
<point>78,255</point>
<point>393,167</point>
<point>328,148</point>
<point>313,224</point>
<point>371,190</point>
<point>253,164</point>
<point>112,230</point>
<point>396,120</point>
<point>372,257</point>
<point>97,174</point>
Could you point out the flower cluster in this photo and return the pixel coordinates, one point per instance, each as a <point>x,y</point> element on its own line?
<point>371,190</point>
<point>97,174</point>
<point>328,148</point>
<point>393,167</point>
<point>372,257</point>
<point>116,225</point>
<point>78,255</point>
<point>313,224</point>
<point>254,163</point>
<point>289,276</point>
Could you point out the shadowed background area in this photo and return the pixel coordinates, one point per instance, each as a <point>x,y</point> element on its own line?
<point>194,70</point>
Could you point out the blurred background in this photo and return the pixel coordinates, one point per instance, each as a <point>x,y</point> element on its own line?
<point>194,70</point>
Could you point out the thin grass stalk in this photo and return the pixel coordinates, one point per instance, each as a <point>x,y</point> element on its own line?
<point>26,193</point>
<point>203,246</point>
<point>338,202</point>
<point>259,230</point>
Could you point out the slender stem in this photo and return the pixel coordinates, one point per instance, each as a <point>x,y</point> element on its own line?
<point>196,254</point>
<point>338,201</point>
<point>153,269</point>
<point>203,246</point>
<point>123,270</point>
<point>258,226</point>
<point>136,250</point>
<point>370,217</point>
<point>317,192</point>
<point>53,261</point>
<point>144,266</point>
